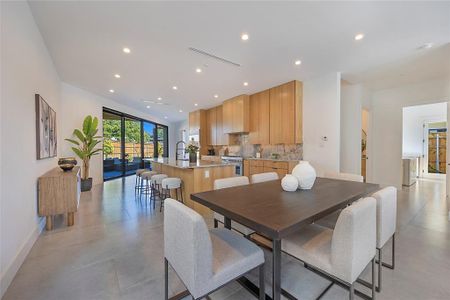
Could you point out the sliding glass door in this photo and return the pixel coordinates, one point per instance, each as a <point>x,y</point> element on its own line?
<point>128,141</point>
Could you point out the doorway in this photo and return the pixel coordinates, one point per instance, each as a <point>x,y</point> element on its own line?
<point>435,148</point>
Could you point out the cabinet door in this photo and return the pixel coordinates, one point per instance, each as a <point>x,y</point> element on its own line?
<point>246,168</point>
<point>208,128</point>
<point>259,118</point>
<point>281,172</point>
<point>194,122</point>
<point>298,112</point>
<point>211,119</point>
<point>222,138</point>
<point>282,114</point>
<point>227,116</point>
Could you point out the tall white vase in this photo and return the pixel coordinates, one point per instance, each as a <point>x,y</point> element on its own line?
<point>305,174</point>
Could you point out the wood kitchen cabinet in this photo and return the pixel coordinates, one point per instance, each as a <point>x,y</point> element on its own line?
<point>198,126</point>
<point>222,137</point>
<point>236,114</point>
<point>286,113</point>
<point>256,166</point>
<point>211,126</point>
<point>260,118</point>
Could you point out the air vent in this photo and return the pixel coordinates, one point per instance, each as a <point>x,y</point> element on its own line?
<point>155,102</point>
<point>214,57</point>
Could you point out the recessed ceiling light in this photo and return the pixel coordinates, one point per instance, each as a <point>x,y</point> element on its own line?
<point>216,96</point>
<point>245,83</point>
<point>180,110</point>
<point>111,91</point>
<point>117,75</point>
<point>298,62</point>
<point>198,70</point>
<point>425,46</point>
<point>148,106</point>
<point>126,50</point>
<point>159,98</point>
<point>359,36</point>
<point>196,104</point>
<point>175,88</point>
<point>244,36</point>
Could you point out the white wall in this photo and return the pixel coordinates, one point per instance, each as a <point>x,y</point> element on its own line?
<point>26,69</point>
<point>321,118</point>
<point>413,119</point>
<point>351,125</point>
<point>386,149</point>
<point>76,104</point>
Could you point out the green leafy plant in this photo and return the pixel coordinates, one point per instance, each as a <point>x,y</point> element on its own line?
<point>108,148</point>
<point>86,143</point>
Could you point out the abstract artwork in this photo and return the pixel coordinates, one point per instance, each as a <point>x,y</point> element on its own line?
<point>46,142</point>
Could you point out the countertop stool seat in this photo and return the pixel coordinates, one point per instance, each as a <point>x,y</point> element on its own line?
<point>146,183</point>
<point>138,183</point>
<point>341,254</point>
<point>156,182</point>
<point>227,183</point>
<point>168,184</point>
<point>205,260</point>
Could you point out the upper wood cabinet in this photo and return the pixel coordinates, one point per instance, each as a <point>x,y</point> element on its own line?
<point>236,114</point>
<point>260,118</point>
<point>286,113</point>
<point>222,138</point>
<point>211,126</point>
<point>197,126</point>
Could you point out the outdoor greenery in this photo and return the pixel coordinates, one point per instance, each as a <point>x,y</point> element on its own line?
<point>108,148</point>
<point>86,143</point>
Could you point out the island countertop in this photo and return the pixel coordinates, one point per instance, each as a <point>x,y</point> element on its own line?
<point>186,164</point>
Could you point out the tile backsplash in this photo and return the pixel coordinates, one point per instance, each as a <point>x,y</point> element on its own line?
<point>245,149</point>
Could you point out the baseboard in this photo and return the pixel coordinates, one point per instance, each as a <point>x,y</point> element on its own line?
<point>11,271</point>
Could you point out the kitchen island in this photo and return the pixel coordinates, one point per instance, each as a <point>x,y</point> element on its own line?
<point>196,177</point>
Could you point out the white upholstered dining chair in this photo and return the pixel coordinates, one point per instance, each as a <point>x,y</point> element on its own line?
<point>205,260</point>
<point>263,177</point>
<point>342,253</point>
<point>227,183</point>
<point>344,176</point>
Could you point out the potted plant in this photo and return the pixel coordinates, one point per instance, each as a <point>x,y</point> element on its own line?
<point>192,149</point>
<point>85,148</point>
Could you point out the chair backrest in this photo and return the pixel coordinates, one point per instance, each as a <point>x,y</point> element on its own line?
<point>353,243</point>
<point>386,214</point>
<point>230,182</point>
<point>344,176</point>
<point>263,177</point>
<point>171,183</point>
<point>187,244</point>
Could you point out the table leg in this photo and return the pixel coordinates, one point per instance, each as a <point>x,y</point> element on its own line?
<point>227,223</point>
<point>276,275</point>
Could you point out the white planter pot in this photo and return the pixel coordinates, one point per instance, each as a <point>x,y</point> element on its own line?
<point>305,174</point>
<point>289,183</point>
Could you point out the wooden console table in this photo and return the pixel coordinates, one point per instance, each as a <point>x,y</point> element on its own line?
<point>59,193</point>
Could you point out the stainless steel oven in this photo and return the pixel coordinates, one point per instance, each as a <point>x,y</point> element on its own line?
<point>235,160</point>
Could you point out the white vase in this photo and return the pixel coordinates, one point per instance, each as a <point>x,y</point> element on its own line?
<point>289,183</point>
<point>306,175</point>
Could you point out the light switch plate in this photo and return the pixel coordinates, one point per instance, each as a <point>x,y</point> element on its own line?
<point>207,174</point>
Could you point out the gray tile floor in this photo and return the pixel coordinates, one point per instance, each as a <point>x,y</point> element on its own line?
<point>115,251</point>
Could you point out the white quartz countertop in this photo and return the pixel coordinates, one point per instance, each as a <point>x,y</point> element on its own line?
<point>186,165</point>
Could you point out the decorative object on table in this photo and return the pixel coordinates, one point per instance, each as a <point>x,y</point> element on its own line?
<point>87,141</point>
<point>289,183</point>
<point>275,155</point>
<point>67,163</point>
<point>306,175</point>
<point>192,149</point>
<point>46,141</point>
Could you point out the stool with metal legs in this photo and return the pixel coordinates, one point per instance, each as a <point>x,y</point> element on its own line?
<point>168,184</point>
<point>146,184</point>
<point>138,183</point>
<point>156,186</point>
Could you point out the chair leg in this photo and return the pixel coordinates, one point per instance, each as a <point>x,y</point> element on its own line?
<point>380,268</point>
<point>166,279</point>
<point>262,290</point>
<point>352,292</point>
<point>373,278</point>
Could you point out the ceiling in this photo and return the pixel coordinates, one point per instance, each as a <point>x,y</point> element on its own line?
<point>86,40</point>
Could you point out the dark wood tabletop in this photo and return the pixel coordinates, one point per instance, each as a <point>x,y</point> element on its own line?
<point>270,211</point>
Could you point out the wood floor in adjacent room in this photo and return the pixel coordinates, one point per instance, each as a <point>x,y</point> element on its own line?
<point>115,251</point>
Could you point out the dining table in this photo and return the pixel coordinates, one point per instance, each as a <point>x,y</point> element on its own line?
<point>274,213</point>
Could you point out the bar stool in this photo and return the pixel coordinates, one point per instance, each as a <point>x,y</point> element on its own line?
<point>146,187</point>
<point>168,184</point>
<point>138,184</point>
<point>156,181</point>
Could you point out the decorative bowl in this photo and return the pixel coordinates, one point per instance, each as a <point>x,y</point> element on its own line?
<point>67,163</point>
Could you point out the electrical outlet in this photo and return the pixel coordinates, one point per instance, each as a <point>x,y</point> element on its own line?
<point>207,174</point>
